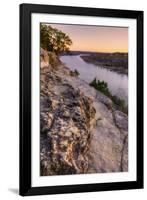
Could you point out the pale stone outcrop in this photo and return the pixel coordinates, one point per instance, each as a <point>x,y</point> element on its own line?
<point>81,131</point>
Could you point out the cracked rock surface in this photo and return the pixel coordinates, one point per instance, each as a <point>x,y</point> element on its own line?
<point>80,132</point>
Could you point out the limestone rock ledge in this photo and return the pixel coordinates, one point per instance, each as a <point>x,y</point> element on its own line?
<point>80,132</point>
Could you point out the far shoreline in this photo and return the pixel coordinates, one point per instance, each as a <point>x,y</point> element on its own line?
<point>116,62</point>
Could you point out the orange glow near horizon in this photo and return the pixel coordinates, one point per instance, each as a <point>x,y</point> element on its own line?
<point>96,38</point>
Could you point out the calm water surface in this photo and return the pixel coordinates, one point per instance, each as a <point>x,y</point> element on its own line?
<point>117,83</point>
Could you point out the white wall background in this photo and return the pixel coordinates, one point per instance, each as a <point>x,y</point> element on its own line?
<point>9,97</point>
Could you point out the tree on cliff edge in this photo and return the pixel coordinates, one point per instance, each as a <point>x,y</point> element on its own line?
<point>54,40</point>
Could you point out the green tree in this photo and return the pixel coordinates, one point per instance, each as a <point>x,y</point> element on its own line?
<point>54,40</point>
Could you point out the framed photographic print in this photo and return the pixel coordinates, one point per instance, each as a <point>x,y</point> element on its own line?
<point>81,99</point>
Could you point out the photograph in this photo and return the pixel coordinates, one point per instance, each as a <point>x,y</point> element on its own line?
<point>83,99</point>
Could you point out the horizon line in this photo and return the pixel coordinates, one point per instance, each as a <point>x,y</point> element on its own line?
<point>100,51</point>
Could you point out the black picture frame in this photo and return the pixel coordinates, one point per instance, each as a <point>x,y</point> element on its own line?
<point>25,187</point>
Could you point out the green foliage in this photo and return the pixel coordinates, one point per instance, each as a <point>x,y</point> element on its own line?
<point>76,72</point>
<point>120,103</point>
<point>54,40</point>
<point>103,87</point>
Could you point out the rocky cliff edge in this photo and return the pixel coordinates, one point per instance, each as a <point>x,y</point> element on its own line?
<point>81,132</point>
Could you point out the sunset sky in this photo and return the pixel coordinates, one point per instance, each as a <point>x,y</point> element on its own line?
<point>96,38</point>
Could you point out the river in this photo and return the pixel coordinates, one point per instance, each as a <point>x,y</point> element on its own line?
<point>117,83</point>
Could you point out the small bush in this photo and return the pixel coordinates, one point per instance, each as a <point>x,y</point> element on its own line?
<point>103,87</point>
<point>120,103</point>
<point>76,72</point>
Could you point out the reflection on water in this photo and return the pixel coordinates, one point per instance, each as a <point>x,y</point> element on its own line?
<point>117,83</point>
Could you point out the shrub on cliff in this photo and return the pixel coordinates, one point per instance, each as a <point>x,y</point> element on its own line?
<point>120,103</point>
<point>76,72</point>
<point>54,40</point>
<point>103,87</point>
